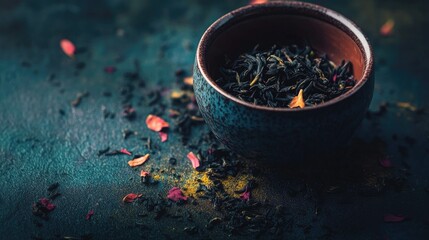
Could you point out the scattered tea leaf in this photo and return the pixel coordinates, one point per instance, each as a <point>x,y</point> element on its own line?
<point>138,161</point>
<point>53,187</point>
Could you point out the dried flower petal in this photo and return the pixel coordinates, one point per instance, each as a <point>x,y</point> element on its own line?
<point>47,204</point>
<point>385,162</point>
<point>387,28</point>
<point>257,1</point>
<point>407,105</point>
<point>298,101</point>
<point>125,151</point>
<point>110,69</point>
<point>188,81</point>
<point>68,47</point>
<point>138,161</point>
<point>245,196</point>
<point>131,197</point>
<point>144,173</point>
<point>393,218</point>
<point>163,136</point>
<point>194,160</point>
<point>175,195</point>
<point>156,123</point>
<point>89,214</point>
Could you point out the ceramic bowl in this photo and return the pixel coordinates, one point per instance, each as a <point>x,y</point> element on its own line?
<point>283,134</point>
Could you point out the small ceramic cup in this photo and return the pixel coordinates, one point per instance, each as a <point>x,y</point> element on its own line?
<point>283,134</point>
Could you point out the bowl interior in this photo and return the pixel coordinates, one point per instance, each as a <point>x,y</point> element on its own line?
<point>282,25</point>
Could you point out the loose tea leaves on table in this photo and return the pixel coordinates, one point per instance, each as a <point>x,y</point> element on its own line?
<point>290,76</point>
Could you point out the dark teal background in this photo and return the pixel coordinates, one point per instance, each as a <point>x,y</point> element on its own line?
<point>38,146</point>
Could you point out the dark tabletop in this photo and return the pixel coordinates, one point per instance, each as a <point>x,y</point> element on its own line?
<point>44,139</point>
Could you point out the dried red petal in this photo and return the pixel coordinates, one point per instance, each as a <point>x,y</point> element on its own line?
<point>144,173</point>
<point>393,218</point>
<point>245,196</point>
<point>110,69</point>
<point>68,47</point>
<point>175,194</point>
<point>163,136</point>
<point>194,160</point>
<point>385,162</point>
<point>46,203</point>
<point>387,28</point>
<point>89,214</point>
<point>138,161</point>
<point>156,123</point>
<point>125,151</point>
<point>131,197</point>
<point>257,1</point>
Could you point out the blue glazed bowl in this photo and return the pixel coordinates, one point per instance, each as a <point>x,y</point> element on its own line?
<point>283,134</point>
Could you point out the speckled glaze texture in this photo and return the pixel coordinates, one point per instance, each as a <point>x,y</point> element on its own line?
<point>282,135</point>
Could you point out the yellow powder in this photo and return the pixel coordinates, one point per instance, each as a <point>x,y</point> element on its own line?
<point>156,177</point>
<point>231,184</point>
<point>191,185</point>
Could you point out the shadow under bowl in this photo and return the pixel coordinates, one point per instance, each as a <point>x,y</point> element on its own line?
<point>283,134</point>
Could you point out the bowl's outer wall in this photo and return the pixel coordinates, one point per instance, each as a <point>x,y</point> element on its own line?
<point>281,135</point>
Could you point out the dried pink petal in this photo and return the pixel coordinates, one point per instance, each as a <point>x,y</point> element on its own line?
<point>245,196</point>
<point>163,136</point>
<point>110,69</point>
<point>393,218</point>
<point>175,195</point>
<point>156,123</point>
<point>131,197</point>
<point>125,151</point>
<point>194,160</point>
<point>253,2</point>
<point>68,47</point>
<point>89,214</point>
<point>387,28</point>
<point>385,162</point>
<point>46,203</point>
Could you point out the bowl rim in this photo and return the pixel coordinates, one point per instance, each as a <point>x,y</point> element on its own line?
<point>338,20</point>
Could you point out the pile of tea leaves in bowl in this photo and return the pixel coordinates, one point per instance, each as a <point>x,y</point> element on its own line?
<point>285,77</point>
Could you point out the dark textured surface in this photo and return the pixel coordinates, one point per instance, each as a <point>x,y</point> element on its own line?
<point>345,199</point>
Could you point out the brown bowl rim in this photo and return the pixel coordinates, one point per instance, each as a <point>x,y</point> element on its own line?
<point>324,14</point>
